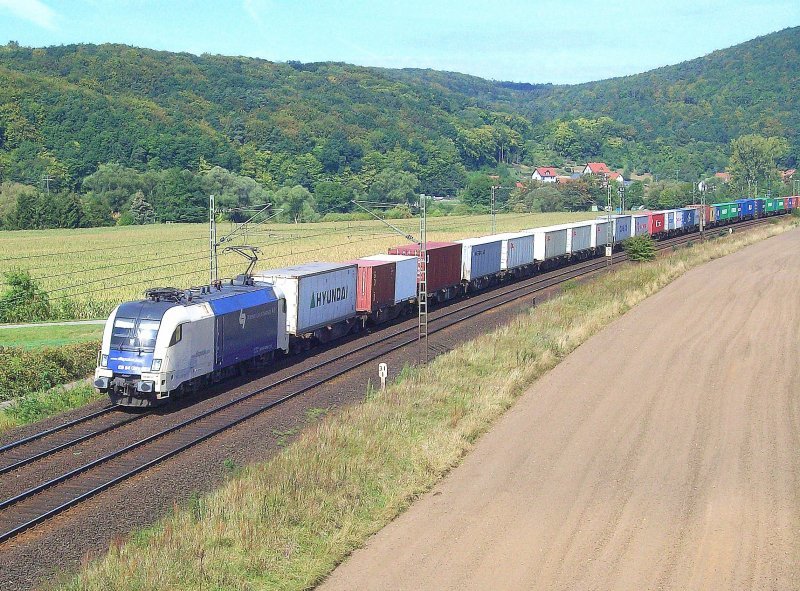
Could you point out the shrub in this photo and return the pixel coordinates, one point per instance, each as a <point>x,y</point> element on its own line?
<point>23,300</point>
<point>640,248</point>
<point>24,371</point>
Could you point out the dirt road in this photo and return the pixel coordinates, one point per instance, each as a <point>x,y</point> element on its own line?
<point>664,453</point>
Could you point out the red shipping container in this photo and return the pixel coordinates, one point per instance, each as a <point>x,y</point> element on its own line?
<point>374,285</point>
<point>786,205</point>
<point>656,225</point>
<point>444,263</point>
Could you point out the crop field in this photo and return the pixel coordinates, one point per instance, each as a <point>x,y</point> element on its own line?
<point>86,272</point>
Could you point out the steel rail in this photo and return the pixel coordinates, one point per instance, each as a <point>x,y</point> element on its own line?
<point>57,428</point>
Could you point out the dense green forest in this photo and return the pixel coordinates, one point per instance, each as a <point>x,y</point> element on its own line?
<point>93,135</point>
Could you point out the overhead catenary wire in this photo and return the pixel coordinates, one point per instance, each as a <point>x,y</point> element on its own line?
<point>372,237</point>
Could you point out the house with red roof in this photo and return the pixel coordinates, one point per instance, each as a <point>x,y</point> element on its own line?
<point>596,168</point>
<point>544,174</point>
<point>723,176</point>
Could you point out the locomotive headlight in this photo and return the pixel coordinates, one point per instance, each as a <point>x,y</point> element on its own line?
<point>156,366</point>
<point>103,360</point>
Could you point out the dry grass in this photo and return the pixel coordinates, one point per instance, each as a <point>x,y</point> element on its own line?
<point>285,524</point>
<point>96,268</point>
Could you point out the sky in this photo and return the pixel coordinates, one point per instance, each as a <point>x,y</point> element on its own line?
<point>534,41</point>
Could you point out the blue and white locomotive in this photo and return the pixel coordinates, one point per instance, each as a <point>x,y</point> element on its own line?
<point>176,340</point>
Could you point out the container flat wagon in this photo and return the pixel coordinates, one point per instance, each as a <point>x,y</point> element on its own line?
<point>747,208</point>
<point>689,218</point>
<point>320,300</point>
<point>622,225</point>
<point>679,221</point>
<point>516,254</point>
<point>405,278</point>
<point>375,289</point>
<point>579,239</point>
<point>600,233</point>
<point>655,223</point>
<point>669,220</point>
<point>640,224</point>
<point>443,266</point>
<point>549,246</point>
<point>480,261</point>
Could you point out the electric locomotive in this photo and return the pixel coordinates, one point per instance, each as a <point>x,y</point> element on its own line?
<point>175,340</point>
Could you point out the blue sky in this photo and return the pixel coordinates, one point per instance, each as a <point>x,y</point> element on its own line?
<point>536,41</point>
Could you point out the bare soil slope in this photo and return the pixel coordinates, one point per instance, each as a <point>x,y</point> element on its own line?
<point>662,454</point>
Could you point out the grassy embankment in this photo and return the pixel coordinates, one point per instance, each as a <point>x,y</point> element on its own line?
<point>285,524</point>
<point>94,269</point>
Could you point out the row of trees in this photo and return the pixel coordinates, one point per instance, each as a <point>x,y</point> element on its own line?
<point>116,194</point>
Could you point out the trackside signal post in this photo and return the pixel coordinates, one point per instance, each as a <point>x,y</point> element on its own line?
<point>212,219</point>
<point>422,283</point>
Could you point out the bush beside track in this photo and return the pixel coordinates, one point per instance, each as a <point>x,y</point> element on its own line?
<point>287,523</point>
<point>27,378</point>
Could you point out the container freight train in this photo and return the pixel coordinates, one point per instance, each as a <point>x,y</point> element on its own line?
<point>177,341</point>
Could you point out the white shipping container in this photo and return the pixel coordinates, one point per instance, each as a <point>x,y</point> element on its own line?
<point>405,278</point>
<point>549,242</point>
<point>479,257</point>
<point>678,219</point>
<point>640,224</point>
<point>579,237</point>
<point>669,219</point>
<point>600,233</point>
<point>516,249</point>
<point>317,294</point>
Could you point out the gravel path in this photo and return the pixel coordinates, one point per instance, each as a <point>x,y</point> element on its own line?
<point>664,454</point>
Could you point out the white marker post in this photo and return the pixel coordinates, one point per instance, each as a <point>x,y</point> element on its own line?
<point>383,371</point>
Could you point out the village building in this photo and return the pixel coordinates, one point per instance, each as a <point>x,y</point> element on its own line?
<point>596,168</point>
<point>545,174</point>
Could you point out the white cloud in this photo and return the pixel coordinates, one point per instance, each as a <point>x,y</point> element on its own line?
<point>34,11</point>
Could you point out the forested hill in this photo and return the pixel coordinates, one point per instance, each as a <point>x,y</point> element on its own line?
<point>748,88</point>
<point>692,108</point>
<point>67,111</point>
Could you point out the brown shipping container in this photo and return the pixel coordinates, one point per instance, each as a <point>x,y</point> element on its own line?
<point>444,263</point>
<point>375,285</point>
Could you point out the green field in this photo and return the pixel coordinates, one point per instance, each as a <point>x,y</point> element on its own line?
<point>48,335</point>
<point>94,269</point>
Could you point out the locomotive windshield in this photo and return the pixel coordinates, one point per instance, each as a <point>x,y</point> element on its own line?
<point>126,335</point>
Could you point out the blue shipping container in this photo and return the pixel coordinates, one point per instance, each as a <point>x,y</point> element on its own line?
<point>747,207</point>
<point>689,217</point>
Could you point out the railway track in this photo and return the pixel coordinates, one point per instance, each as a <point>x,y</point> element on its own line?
<point>50,497</point>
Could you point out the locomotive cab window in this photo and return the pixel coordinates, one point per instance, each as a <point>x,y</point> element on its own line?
<point>148,330</point>
<point>176,336</point>
<point>124,333</point>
